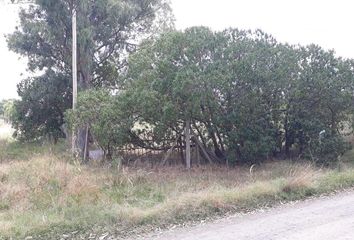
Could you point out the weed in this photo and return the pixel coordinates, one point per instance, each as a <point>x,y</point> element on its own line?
<point>45,194</point>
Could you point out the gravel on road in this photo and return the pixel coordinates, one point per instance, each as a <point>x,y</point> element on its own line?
<point>324,218</point>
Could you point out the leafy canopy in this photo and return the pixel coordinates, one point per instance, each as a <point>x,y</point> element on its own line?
<point>107,32</point>
<point>249,97</point>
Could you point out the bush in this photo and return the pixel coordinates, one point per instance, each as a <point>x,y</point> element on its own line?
<point>328,150</point>
<point>101,112</point>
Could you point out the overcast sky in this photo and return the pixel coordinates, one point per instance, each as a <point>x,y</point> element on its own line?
<point>327,23</point>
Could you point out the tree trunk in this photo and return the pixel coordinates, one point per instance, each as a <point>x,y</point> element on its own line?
<point>200,134</point>
<point>287,137</point>
<point>220,139</point>
<point>213,131</point>
<point>86,152</point>
<point>204,151</point>
<point>180,148</point>
<point>188,144</point>
<point>217,150</point>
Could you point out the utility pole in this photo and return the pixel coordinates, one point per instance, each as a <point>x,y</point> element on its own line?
<point>74,62</point>
<point>74,71</point>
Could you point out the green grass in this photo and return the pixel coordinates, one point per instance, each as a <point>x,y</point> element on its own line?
<point>45,195</point>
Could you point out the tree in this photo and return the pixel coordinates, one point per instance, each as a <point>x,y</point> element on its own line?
<point>249,97</point>
<point>169,70</point>
<point>108,123</point>
<point>321,101</point>
<point>40,112</point>
<point>107,32</point>
<point>244,96</point>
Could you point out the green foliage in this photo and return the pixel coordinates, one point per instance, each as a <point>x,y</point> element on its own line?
<point>102,113</point>
<point>328,150</point>
<point>39,113</point>
<point>107,32</point>
<point>249,97</point>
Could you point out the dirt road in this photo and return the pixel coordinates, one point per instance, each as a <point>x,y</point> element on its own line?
<point>319,219</point>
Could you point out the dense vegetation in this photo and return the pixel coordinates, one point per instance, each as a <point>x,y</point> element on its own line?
<point>107,32</point>
<point>247,97</point>
<point>243,96</point>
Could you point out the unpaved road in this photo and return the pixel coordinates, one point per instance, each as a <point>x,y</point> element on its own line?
<point>320,219</point>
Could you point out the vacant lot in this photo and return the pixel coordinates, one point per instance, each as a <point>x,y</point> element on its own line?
<point>45,194</point>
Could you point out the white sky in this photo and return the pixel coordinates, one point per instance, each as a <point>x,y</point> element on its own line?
<point>328,23</point>
<point>11,66</point>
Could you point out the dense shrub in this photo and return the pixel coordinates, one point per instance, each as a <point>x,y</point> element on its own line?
<point>102,114</point>
<point>248,97</point>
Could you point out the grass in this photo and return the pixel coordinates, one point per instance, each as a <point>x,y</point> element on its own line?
<point>11,150</point>
<point>44,195</point>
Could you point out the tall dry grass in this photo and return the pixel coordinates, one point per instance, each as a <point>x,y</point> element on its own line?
<point>45,193</point>
<point>47,190</point>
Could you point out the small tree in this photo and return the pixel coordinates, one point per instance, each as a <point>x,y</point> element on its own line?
<point>39,113</point>
<point>101,112</point>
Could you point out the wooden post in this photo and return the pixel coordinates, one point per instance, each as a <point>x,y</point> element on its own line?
<point>86,144</point>
<point>188,143</point>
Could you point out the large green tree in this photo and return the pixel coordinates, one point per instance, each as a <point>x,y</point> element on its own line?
<point>107,32</point>
<point>223,82</point>
<point>248,97</point>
